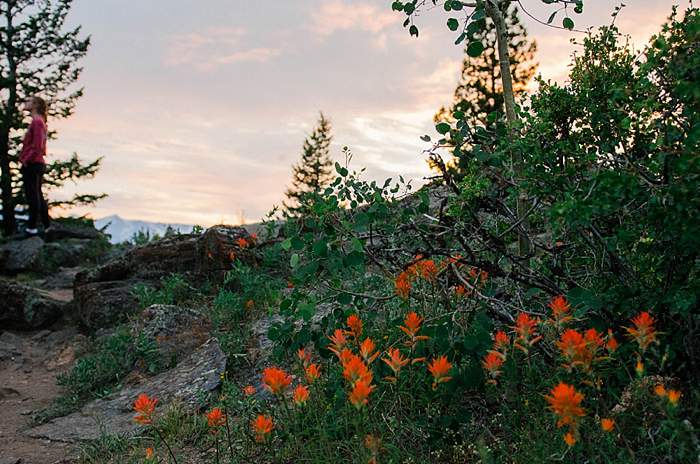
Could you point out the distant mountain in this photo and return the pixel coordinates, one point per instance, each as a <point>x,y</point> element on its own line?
<point>124,229</point>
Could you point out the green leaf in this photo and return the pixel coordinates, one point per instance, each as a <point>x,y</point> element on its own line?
<point>461,38</point>
<point>475,49</point>
<point>287,244</point>
<point>294,260</point>
<point>344,298</point>
<point>552,16</point>
<point>442,128</point>
<point>452,24</point>
<point>425,138</point>
<point>568,23</point>
<point>413,30</point>
<point>478,14</point>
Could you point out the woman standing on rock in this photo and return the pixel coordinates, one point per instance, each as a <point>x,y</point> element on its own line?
<point>34,164</point>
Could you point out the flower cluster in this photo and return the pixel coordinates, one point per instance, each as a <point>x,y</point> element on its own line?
<point>422,268</point>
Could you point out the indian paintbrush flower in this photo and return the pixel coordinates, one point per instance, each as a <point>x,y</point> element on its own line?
<point>145,407</point>
<point>276,380</point>
<point>262,427</point>
<point>439,368</point>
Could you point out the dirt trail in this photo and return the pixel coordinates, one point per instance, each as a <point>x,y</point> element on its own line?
<point>29,364</point>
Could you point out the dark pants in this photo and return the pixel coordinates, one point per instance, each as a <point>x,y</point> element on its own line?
<point>32,175</point>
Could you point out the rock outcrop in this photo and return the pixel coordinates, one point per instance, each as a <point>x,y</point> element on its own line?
<point>26,308</point>
<point>21,255</point>
<point>64,245</point>
<point>104,295</point>
<point>196,375</point>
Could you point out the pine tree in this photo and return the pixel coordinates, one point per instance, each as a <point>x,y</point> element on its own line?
<point>39,57</point>
<point>479,93</point>
<point>314,171</point>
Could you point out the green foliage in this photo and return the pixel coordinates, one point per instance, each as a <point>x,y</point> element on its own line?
<point>173,290</point>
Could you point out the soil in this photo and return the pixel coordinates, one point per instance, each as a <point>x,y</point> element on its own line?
<point>29,364</point>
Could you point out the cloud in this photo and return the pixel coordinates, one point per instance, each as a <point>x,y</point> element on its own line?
<point>337,15</point>
<point>217,46</point>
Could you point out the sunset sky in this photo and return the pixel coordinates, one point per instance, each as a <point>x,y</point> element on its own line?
<point>200,107</point>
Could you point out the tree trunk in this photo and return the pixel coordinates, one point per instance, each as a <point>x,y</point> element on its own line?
<point>493,9</point>
<point>8,204</point>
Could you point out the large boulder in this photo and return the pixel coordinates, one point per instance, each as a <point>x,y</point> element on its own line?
<point>62,231</point>
<point>21,255</point>
<point>104,294</point>
<point>26,308</point>
<point>187,383</point>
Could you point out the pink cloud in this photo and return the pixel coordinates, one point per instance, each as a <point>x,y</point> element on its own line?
<point>213,48</point>
<point>337,15</point>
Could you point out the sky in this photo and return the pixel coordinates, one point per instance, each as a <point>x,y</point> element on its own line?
<point>200,107</point>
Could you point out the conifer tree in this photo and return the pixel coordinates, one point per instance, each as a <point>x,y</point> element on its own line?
<point>39,57</point>
<point>314,170</point>
<point>479,93</point>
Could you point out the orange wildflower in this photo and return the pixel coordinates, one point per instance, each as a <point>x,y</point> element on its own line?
<point>611,345</point>
<point>242,243</point>
<point>438,369</point>
<point>565,402</point>
<point>249,305</point>
<point>639,367</point>
<point>338,341</point>
<point>312,373</point>
<point>276,380</point>
<point>360,392</point>
<point>643,331</point>
<point>560,309</point>
<point>674,396</point>
<point>355,370</point>
<point>262,427</point>
<point>304,356</point>
<point>249,390</point>
<point>395,360</point>
<point>301,395</point>
<point>149,453</point>
<point>607,424</point>
<point>525,328</point>
<point>367,348</point>
<point>412,324</point>
<point>475,273</point>
<point>501,342</point>
<point>145,407</point>
<point>460,291</point>
<point>660,390</point>
<point>216,418</point>
<point>569,439</point>
<point>402,285</point>
<point>492,363</point>
<point>571,344</point>
<point>428,269</point>
<point>593,339</point>
<point>355,324</point>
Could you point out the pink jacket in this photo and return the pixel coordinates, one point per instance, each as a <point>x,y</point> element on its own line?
<point>34,143</point>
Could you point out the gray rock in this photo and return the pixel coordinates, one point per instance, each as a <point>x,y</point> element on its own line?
<point>176,330</point>
<point>25,308</point>
<point>199,374</point>
<point>61,231</point>
<point>20,255</point>
<point>103,295</point>
<point>66,253</point>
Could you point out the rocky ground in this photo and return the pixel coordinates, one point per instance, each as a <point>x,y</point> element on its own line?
<point>57,291</point>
